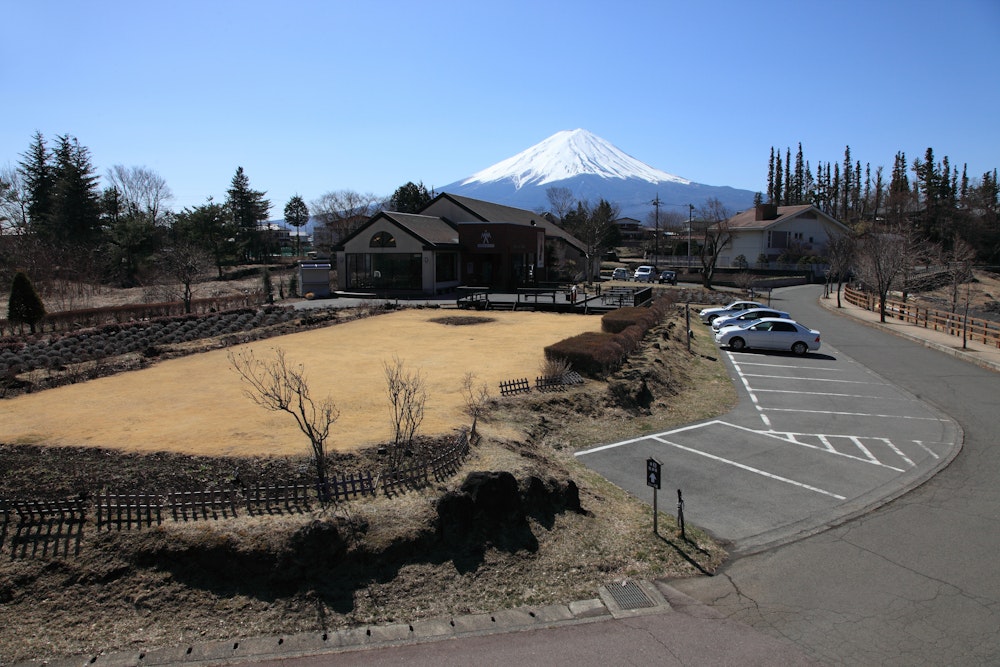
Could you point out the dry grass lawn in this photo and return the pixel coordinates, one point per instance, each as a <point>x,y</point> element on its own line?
<point>196,404</point>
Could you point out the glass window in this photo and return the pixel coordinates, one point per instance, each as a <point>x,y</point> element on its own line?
<point>382,240</point>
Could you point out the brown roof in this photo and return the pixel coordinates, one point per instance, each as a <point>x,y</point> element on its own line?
<point>747,220</point>
<point>484,211</point>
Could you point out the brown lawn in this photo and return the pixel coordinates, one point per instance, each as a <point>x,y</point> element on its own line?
<point>196,405</point>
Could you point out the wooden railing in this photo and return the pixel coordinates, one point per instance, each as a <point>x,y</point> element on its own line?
<point>974,329</point>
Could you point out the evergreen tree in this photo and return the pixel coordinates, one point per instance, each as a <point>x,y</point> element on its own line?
<point>798,184</point>
<point>770,178</point>
<point>75,215</point>
<point>24,305</point>
<point>296,215</point>
<point>209,227</point>
<point>36,170</point>
<point>248,208</point>
<point>777,191</point>
<point>410,198</point>
<point>789,193</point>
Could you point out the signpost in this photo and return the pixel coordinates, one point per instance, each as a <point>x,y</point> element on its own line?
<point>653,479</point>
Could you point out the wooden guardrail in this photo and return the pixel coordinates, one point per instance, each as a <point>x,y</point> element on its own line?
<point>975,329</point>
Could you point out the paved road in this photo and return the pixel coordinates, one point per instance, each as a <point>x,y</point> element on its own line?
<point>914,582</point>
<point>815,440</point>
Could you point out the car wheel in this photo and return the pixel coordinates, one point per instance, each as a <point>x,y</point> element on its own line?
<point>710,318</point>
<point>800,348</point>
<point>737,344</point>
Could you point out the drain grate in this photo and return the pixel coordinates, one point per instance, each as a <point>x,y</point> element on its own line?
<point>629,595</point>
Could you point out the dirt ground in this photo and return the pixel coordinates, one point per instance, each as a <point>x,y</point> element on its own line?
<point>196,404</point>
<point>191,582</point>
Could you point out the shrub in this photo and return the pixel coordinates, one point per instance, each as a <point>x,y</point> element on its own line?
<point>591,353</point>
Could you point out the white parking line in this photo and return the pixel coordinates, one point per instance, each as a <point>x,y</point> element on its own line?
<point>811,379</point>
<point>755,471</point>
<point>854,414</point>
<point>823,393</point>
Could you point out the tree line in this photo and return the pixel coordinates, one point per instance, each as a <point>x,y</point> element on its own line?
<point>941,202</point>
<point>60,222</point>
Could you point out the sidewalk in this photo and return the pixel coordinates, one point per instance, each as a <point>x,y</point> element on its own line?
<point>976,353</point>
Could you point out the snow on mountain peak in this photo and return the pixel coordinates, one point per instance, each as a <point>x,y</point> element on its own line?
<point>568,154</point>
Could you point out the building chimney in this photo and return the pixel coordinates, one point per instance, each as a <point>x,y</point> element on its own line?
<point>766,212</point>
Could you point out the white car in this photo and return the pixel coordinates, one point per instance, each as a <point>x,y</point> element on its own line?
<point>770,334</point>
<point>747,316</point>
<point>734,308</point>
<point>644,274</point>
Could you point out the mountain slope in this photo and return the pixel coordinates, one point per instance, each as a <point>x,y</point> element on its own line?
<point>592,169</point>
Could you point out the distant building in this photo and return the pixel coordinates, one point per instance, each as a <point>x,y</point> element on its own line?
<point>777,233</point>
<point>457,241</point>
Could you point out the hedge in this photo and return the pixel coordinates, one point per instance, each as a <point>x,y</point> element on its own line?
<point>597,354</point>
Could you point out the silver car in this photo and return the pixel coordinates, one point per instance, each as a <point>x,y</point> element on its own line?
<point>748,316</point>
<point>770,334</point>
<point>734,308</point>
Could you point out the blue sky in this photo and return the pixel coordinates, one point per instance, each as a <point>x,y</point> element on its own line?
<point>311,97</point>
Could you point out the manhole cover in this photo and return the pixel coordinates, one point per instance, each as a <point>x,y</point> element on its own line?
<point>629,595</point>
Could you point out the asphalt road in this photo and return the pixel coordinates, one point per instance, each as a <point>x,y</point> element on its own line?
<point>913,582</point>
<point>815,440</point>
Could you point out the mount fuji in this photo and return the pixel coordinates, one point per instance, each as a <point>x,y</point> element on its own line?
<point>592,169</point>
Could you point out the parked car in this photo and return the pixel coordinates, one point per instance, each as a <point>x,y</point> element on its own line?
<point>620,273</point>
<point>734,308</point>
<point>644,274</point>
<point>747,316</point>
<point>770,334</point>
<point>668,277</point>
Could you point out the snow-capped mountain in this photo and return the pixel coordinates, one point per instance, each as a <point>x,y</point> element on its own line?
<point>591,168</point>
<point>568,154</point>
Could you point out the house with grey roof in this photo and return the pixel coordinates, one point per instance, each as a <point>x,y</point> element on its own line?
<point>457,241</point>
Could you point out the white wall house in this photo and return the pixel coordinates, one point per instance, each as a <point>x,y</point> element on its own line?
<point>774,232</point>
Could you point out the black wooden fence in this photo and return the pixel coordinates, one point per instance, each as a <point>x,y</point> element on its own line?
<point>49,528</point>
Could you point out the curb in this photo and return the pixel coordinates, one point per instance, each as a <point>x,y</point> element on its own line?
<point>650,598</point>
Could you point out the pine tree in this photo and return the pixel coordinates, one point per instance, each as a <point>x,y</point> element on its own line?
<point>410,198</point>
<point>24,305</point>
<point>248,208</point>
<point>770,178</point>
<point>75,215</point>
<point>36,170</point>
<point>296,215</point>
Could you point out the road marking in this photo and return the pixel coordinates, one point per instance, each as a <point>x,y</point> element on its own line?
<point>808,368</point>
<point>921,445</point>
<point>753,396</point>
<point>785,377</point>
<point>888,443</point>
<point>854,414</point>
<point>825,393</point>
<point>755,471</point>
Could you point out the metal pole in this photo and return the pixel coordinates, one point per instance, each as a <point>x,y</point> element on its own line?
<point>656,514</point>
<point>690,213</point>
<point>680,513</point>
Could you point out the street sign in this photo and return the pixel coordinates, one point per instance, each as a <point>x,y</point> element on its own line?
<point>653,473</point>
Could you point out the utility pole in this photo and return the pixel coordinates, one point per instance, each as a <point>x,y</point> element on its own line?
<point>656,239</point>
<point>690,213</point>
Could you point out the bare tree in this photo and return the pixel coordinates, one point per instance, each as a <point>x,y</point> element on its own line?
<point>840,253</point>
<point>884,256</point>
<point>477,397</point>
<point>561,201</point>
<point>959,262</point>
<point>186,264</point>
<point>340,212</point>
<point>14,197</point>
<point>276,385</point>
<point>407,394</point>
<point>143,192</point>
<point>714,217</point>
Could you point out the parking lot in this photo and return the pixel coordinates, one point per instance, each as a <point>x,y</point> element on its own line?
<point>815,440</point>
